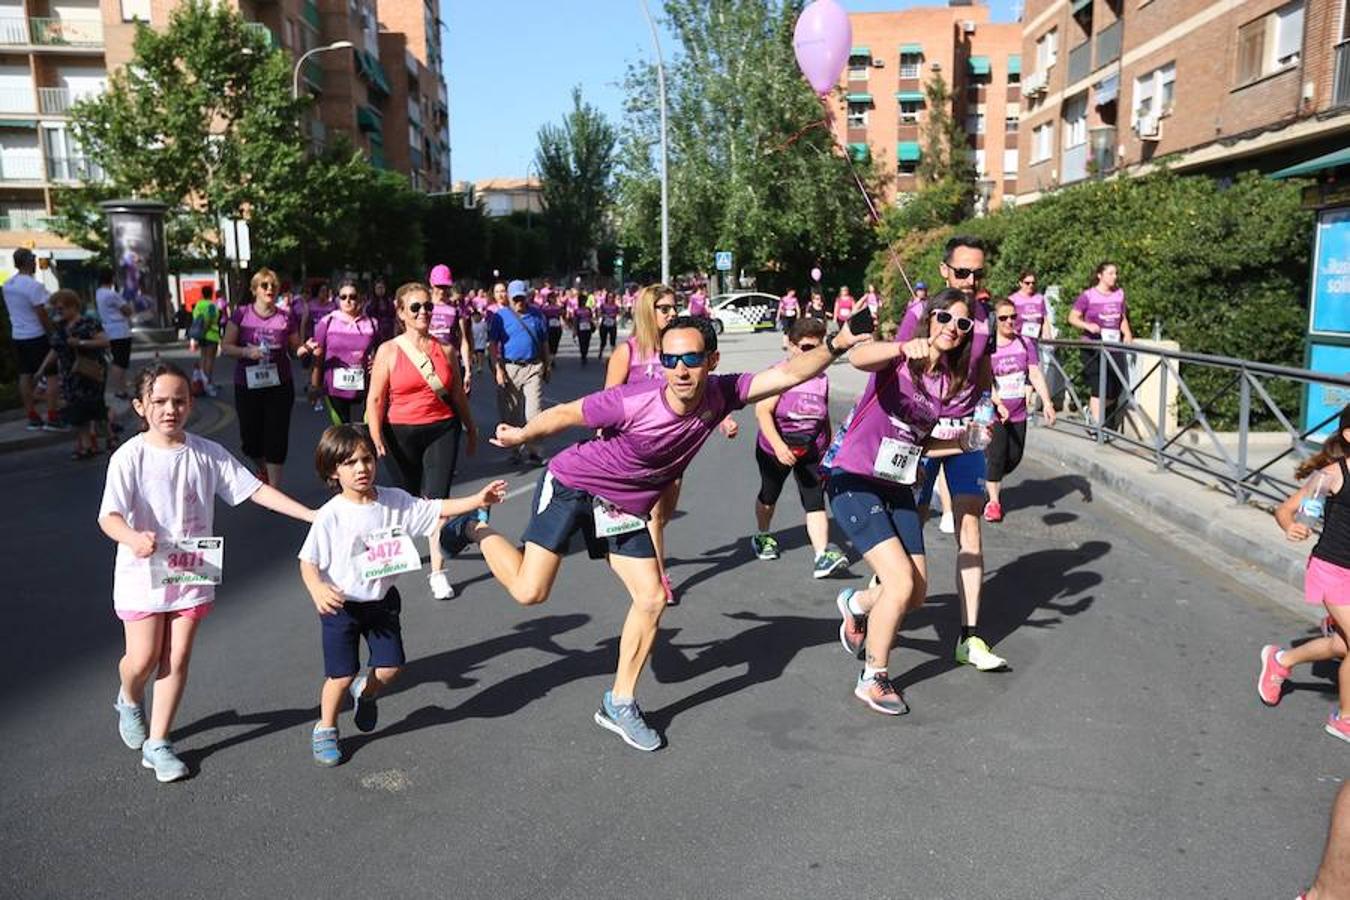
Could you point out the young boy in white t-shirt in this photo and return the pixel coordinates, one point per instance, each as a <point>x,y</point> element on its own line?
<point>360,541</point>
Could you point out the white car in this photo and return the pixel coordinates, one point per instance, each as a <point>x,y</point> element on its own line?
<point>744,312</point>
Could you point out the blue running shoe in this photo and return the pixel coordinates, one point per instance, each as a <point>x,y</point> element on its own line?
<point>130,723</point>
<point>159,755</point>
<point>325,746</point>
<point>625,720</point>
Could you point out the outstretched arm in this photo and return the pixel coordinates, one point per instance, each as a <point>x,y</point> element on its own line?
<point>269,497</point>
<point>546,424</point>
<point>803,367</point>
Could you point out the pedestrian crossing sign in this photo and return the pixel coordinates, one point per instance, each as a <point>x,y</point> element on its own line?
<point>724,260</point>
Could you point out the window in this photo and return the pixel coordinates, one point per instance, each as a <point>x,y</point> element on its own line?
<point>907,167</point>
<point>857,69</point>
<point>857,115</point>
<point>909,64</point>
<point>1010,115</point>
<point>1010,161</point>
<point>1154,91</point>
<point>1047,50</point>
<point>909,111</point>
<point>975,122</point>
<point>979,163</point>
<point>1042,142</point>
<point>1270,43</point>
<point>136,9</point>
<point>1075,122</point>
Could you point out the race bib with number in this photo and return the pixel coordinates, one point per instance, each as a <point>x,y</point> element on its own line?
<point>607,321</point>
<point>1012,386</point>
<point>263,375</point>
<point>182,561</point>
<point>584,325</point>
<point>555,323</point>
<point>389,551</point>
<point>897,461</point>
<point>1031,329</point>
<point>1111,335</point>
<point>611,521</point>
<point>349,379</point>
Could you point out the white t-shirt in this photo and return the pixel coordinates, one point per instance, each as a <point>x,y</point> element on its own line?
<point>172,493</point>
<point>23,296</point>
<point>110,304</point>
<point>480,335</point>
<point>338,537</point>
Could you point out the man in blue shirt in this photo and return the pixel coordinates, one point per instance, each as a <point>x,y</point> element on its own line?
<point>518,349</point>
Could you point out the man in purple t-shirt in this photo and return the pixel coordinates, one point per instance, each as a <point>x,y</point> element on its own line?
<point>606,487</point>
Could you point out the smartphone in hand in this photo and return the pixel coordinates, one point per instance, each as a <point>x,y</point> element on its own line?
<point>862,322</point>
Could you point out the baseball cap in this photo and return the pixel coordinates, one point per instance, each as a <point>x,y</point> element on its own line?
<point>516,289</point>
<point>440,276</point>
<point>920,286</point>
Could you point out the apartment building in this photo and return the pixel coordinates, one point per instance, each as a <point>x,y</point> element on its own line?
<point>882,100</point>
<point>1216,86</point>
<point>53,52</point>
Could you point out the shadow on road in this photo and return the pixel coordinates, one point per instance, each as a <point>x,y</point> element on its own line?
<point>1045,492</point>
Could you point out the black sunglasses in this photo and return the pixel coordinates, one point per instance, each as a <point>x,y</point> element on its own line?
<point>693,360</point>
<point>1031,281</point>
<point>416,307</point>
<point>945,317</point>
<point>807,348</point>
<point>348,296</point>
<point>957,272</point>
<point>1007,318</point>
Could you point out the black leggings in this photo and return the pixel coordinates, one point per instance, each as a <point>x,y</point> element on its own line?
<point>351,411</point>
<point>554,338</point>
<point>1094,361</point>
<point>773,475</point>
<point>425,456</point>
<point>1004,452</point>
<point>265,421</point>
<point>608,333</point>
<point>584,339</point>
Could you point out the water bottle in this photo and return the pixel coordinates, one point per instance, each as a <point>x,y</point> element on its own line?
<point>264,346</point>
<point>978,431</point>
<point>1314,502</point>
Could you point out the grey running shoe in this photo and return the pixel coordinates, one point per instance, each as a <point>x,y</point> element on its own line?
<point>625,720</point>
<point>881,695</point>
<point>828,562</point>
<point>130,722</point>
<point>765,546</point>
<point>159,755</point>
<point>852,627</point>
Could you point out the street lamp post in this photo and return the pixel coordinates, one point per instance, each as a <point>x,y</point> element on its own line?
<point>665,153</point>
<point>295,74</point>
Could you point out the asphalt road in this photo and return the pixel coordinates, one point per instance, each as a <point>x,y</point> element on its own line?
<point>1125,755</point>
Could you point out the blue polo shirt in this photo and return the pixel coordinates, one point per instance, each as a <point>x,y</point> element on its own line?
<point>522,338</point>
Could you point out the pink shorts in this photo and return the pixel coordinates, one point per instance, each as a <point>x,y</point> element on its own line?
<point>201,611</point>
<point>1327,583</point>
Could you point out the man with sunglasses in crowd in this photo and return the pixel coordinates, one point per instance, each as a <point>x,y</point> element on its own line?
<point>605,488</point>
<point>962,268</point>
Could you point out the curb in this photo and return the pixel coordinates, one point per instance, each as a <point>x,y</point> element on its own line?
<point>210,416</point>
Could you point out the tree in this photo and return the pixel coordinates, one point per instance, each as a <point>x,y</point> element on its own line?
<point>576,168</point>
<point>945,154</point>
<point>753,167</point>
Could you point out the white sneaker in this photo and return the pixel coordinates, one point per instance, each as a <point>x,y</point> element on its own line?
<point>947,525</point>
<point>440,586</point>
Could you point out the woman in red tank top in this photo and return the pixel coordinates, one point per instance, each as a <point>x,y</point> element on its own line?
<point>414,423</point>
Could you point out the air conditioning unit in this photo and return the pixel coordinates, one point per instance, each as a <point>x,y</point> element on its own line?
<point>1149,128</point>
<point>878,63</point>
<point>968,26</point>
<point>936,67</point>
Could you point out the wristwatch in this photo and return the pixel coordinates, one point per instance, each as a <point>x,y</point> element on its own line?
<point>829,345</point>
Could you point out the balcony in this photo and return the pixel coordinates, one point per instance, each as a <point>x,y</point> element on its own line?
<point>1080,62</point>
<point>20,220</point>
<point>1073,164</point>
<point>72,169</point>
<point>1108,43</point>
<point>1341,91</point>
<point>67,32</point>
<point>17,100</point>
<point>21,166</point>
<point>414,112</point>
<point>54,101</point>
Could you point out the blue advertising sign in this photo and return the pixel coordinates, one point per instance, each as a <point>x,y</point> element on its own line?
<point>1331,274</point>
<point>1325,401</point>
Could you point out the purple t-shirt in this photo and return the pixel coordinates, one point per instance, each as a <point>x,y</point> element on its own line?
<point>788,306</point>
<point>891,406</point>
<point>698,304</point>
<point>640,367</point>
<point>1010,363</point>
<point>1104,310</point>
<point>1031,312</point>
<point>347,344</point>
<point>609,313</point>
<point>644,444</point>
<point>317,310</point>
<point>585,318</point>
<point>802,416</point>
<point>444,325</point>
<point>254,330</point>
<point>963,404</point>
<point>553,314</point>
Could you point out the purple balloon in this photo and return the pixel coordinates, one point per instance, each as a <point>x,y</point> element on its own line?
<point>822,41</point>
<point>815,273</point>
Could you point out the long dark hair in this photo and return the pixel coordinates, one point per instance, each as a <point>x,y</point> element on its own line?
<point>1101,267</point>
<point>1333,449</point>
<point>955,360</point>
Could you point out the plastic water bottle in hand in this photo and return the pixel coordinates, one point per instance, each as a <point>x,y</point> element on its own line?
<point>978,431</point>
<point>1314,502</point>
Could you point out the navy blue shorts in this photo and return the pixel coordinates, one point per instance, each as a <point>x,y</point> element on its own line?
<point>965,475</point>
<point>871,511</point>
<point>375,620</point>
<point>560,511</point>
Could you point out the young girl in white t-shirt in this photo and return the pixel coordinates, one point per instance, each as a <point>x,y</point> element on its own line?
<point>160,491</point>
<point>360,542</point>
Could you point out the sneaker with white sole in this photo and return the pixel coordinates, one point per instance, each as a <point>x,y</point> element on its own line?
<point>625,720</point>
<point>830,560</point>
<point>973,651</point>
<point>881,694</point>
<point>130,722</point>
<point>765,546</point>
<point>159,755</point>
<point>1270,681</point>
<point>852,627</point>
<point>1338,726</point>
<point>947,525</point>
<point>441,588</point>
<point>365,711</point>
<point>323,744</point>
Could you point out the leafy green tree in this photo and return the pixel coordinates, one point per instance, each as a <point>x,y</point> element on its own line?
<point>753,168</point>
<point>576,171</point>
<point>945,151</point>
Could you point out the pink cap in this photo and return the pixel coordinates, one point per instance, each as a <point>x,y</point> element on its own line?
<point>440,276</point>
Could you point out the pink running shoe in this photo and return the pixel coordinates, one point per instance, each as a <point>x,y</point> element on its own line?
<point>883,696</point>
<point>852,628</point>
<point>993,512</point>
<point>1338,727</point>
<point>1273,674</point>
<point>670,591</point>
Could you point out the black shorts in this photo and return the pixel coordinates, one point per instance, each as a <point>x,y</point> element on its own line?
<point>1094,361</point>
<point>870,512</point>
<point>121,352</point>
<point>561,511</point>
<point>31,352</point>
<point>265,421</point>
<point>375,620</point>
<point>773,475</point>
<point>1004,452</point>
<point>85,410</point>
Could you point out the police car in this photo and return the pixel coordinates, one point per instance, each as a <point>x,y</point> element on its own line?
<point>744,312</point>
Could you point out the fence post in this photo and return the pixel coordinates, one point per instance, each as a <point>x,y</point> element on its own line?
<point>1101,394</point>
<point>1244,421</point>
<point>1160,424</point>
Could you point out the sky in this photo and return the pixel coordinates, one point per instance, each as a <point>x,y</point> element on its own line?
<point>510,66</point>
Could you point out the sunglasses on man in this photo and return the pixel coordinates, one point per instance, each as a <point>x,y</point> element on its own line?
<point>1008,318</point>
<point>945,317</point>
<point>692,360</point>
<point>962,273</point>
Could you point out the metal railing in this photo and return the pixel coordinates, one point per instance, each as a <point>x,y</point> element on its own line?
<point>20,166</point>
<point>25,221</point>
<point>15,100</point>
<point>72,168</point>
<point>54,101</point>
<point>1213,387</point>
<point>67,32</point>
